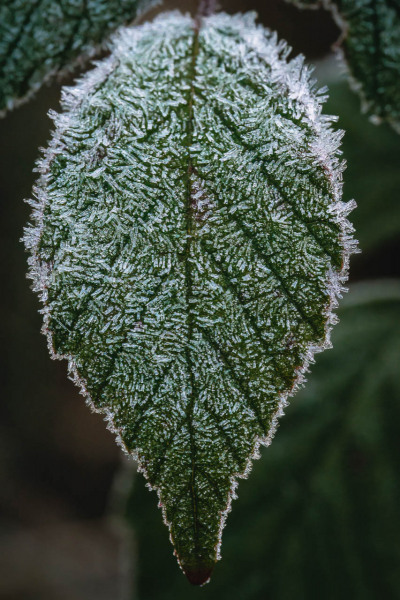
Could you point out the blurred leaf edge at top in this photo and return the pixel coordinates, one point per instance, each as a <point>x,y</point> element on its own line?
<point>370,47</point>
<point>44,39</point>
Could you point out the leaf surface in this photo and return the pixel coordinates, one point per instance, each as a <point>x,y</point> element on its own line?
<point>370,45</point>
<point>42,38</point>
<point>324,497</point>
<point>189,245</point>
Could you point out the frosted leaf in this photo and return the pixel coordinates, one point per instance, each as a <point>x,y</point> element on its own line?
<point>324,499</point>
<point>42,38</point>
<point>370,45</point>
<point>189,244</point>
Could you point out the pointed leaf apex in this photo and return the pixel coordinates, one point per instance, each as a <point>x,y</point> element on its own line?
<point>189,246</point>
<point>199,574</point>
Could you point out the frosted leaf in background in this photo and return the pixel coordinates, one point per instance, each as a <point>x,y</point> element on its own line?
<point>370,45</point>
<point>42,38</point>
<point>189,244</point>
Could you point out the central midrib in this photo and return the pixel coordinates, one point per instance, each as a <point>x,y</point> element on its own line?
<point>189,284</point>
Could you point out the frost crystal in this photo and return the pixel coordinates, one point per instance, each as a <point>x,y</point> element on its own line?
<point>189,244</point>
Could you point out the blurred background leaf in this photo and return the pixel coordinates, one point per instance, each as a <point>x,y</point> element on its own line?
<point>318,518</point>
<point>370,46</point>
<point>45,38</point>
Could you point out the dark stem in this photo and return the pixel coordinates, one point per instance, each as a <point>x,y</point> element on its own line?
<point>205,9</point>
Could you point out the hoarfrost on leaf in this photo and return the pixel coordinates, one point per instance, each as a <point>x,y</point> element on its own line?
<point>189,244</point>
<point>327,492</point>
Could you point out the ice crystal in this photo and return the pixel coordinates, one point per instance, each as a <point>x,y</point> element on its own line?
<point>189,244</point>
<point>325,498</point>
<point>40,38</point>
<point>370,45</point>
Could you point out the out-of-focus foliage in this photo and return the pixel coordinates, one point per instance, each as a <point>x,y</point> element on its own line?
<point>371,46</point>
<point>372,175</point>
<point>318,517</point>
<point>189,246</point>
<point>41,38</point>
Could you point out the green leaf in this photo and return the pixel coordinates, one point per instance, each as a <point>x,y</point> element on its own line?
<point>189,245</point>
<point>370,45</point>
<point>319,516</point>
<point>40,39</point>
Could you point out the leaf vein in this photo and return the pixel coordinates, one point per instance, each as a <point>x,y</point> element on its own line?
<point>242,144</point>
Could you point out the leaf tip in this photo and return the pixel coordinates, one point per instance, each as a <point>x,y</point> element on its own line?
<point>198,574</point>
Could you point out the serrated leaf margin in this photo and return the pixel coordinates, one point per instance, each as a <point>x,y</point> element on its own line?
<point>38,273</point>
